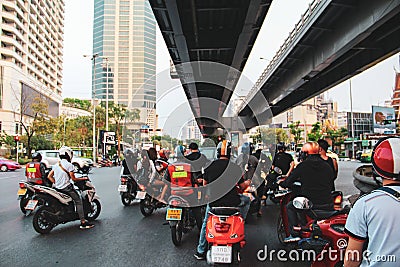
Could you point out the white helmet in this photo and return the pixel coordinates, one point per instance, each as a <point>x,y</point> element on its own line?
<point>65,151</point>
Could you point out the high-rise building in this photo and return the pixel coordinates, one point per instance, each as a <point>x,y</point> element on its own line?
<point>124,34</point>
<point>396,95</point>
<point>31,61</point>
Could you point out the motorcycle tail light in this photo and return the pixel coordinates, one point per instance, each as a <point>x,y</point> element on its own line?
<point>222,227</point>
<point>338,200</point>
<point>124,180</point>
<point>175,203</point>
<point>21,185</point>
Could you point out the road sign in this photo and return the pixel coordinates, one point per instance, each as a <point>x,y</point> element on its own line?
<point>109,138</point>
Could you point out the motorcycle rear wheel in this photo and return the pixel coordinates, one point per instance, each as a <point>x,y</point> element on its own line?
<point>40,223</point>
<point>176,233</point>
<point>22,204</point>
<point>146,207</point>
<point>95,210</point>
<point>126,199</point>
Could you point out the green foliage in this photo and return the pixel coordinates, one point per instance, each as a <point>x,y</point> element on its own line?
<point>23,161</point>
<point>39,142</point>
<point>296,131</point>
<point>316,132</point>
<point>337,136</point>
<point>7,140</point>
<point>78,103</point>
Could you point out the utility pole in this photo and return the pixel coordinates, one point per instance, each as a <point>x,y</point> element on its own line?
<point>352,123</point>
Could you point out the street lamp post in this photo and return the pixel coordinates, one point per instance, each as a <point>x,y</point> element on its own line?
<point>106,58</point>
<point>352,123</point>
<point>94,56</point>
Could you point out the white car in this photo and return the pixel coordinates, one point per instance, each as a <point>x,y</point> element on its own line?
<point>50,158</point>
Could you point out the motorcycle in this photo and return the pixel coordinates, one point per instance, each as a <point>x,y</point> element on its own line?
<point>128,189</point>
<point>58,208</point>
<point>225,235</point>
<point>322,232</point>
<point>272,186</point>
<point>149,202</point>
<point>25,193</point>
<point>180,217</point>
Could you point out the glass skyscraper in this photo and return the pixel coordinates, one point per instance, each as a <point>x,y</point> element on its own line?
<point>124,32</point>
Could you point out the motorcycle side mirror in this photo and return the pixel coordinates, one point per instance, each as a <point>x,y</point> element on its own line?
<point>302,203</point>
<point>278,170</point>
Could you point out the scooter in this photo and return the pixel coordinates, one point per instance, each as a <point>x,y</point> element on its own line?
<point>59,208</point>
<point>128,189</point>
<point>148,203</point>
<point>225,235</point>
<point>25,193</point>
<point>323,231</point>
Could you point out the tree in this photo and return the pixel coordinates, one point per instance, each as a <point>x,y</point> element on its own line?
<point>316,132</point>
<point>78,103</point>
<point>118,113</point>
<point>38,123</point>
<point>296,131</point>
<point>7,140</point>
<point>337,136</point>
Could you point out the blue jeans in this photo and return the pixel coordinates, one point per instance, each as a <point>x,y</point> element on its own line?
<point>244,207</point>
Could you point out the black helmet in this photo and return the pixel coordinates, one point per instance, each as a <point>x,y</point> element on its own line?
<point>280,146</point>
<point>37,156</point>
<point>224,149</point>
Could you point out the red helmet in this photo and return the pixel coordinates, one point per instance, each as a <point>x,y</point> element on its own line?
<point>164,153</point>
<point>386,158</point>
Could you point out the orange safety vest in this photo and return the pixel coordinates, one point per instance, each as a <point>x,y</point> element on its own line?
<point>33,174</point>
<point>180,174</point>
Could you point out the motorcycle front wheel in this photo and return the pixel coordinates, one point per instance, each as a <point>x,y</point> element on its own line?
<point>95,208</point>
<point>146,207</point>
<point>40,223</point>
<point>280,229</point>
<point>176,233</point>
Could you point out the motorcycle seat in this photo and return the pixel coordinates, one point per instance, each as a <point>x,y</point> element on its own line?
<point>224,211</point>
<point>325,214</point>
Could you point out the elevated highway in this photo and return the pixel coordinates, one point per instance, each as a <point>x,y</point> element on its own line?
<point>222,32</point>
<point>333,41</point>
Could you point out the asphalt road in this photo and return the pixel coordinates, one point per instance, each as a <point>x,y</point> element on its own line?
<point>122,236</point>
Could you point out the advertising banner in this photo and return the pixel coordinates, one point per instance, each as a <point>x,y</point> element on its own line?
<point>383,120</point>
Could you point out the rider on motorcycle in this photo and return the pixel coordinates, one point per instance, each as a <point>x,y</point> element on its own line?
<point>316,178</point>
<point>129,162</point>
<point>223,168</point>
<point>60,176</point>
<point>198,162</point>
<point>374,216</point>
<point>35,171</point>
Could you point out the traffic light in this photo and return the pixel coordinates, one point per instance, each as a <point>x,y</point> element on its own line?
<point>16,138</point>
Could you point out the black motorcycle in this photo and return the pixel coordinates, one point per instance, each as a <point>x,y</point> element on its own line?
<point>182,218</point>
<point>59,208</point>
<point>128,189</point>
<point>149,203</point>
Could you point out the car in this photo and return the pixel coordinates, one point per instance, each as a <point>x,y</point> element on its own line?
<point>8,165</point>
<point>50,158</point>
<point>366,156</point>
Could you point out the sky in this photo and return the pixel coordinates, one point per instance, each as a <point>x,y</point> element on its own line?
<point>371,87</point>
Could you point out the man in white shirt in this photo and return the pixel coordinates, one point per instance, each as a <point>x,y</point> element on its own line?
<point>60,176</point>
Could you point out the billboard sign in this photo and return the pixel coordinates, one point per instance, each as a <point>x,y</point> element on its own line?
<point>383,120</point>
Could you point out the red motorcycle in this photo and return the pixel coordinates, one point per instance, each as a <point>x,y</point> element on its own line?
<point>323,231</point>
<point>225,235</point>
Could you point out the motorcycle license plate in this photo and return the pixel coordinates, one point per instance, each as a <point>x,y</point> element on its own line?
<point>173,214</point>
<point>31,204</point>
<point>221,254</point>
<point>122,188</point>
<point>21,191</point>
<point>140,195</point>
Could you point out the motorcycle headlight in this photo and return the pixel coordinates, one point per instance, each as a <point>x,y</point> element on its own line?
<point>210,235</point>
<point>234,236</point>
